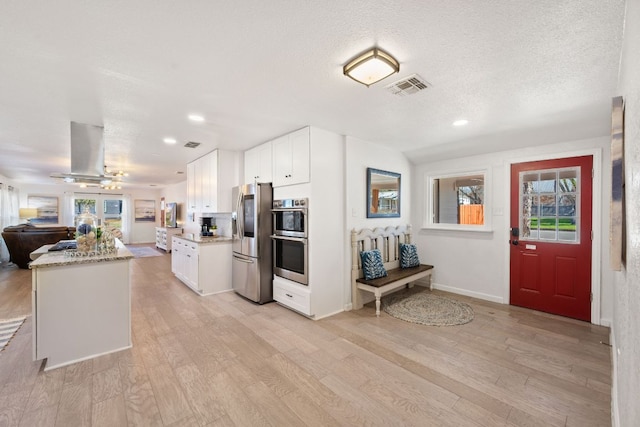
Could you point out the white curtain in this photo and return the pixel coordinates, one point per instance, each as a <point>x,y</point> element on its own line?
<point>67,216</point>
<point>127,213</point>
<point>9,214</point>
<point>4,253</point>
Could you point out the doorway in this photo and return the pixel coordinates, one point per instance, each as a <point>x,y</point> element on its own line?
<point>106,207</point>
<point>551,236</point>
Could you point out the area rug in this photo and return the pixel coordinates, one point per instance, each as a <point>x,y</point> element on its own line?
<point>144,251</point>
<point>8,329</point>
<point>426,308</point>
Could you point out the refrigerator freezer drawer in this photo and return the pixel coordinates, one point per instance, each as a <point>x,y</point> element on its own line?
<point>246,277</point>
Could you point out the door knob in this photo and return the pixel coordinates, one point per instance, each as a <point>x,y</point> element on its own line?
<point>514,242</point>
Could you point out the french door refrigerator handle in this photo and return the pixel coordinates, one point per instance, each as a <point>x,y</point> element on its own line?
<point>248,261</point>
<point>240,215</point>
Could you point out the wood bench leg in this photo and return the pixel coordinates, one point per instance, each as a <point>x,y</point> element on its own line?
<point>378,303</point>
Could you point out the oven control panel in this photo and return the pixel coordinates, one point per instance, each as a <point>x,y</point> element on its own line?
<point>290,203</point>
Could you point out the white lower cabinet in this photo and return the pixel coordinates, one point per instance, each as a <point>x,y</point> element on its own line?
<point>163,237</point>
<point>203,266</point>
<point>292,295</point>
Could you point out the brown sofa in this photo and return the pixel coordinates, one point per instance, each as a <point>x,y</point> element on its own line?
<point>23,239</point>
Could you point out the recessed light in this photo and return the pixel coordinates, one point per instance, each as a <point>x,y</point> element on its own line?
<point>196,118</point>
<point>170,140</point>
<point>461,122</point>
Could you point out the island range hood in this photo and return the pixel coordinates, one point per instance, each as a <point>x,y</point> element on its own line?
<point>87,156</point>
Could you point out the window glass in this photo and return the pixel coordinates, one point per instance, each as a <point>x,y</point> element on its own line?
<point>548,205</point>
<point>457,201</point>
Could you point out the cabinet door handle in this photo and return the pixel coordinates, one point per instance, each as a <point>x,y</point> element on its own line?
<point>289,295</point>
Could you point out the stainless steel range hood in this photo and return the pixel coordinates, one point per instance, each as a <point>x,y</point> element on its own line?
<point>87,156</point>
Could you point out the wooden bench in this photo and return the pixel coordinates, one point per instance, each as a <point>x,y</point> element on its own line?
<point>387,240</point>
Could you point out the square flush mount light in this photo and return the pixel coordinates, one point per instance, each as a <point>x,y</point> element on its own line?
<point>371,67</point>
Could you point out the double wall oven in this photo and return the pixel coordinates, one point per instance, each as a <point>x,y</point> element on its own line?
<point>290,249</point>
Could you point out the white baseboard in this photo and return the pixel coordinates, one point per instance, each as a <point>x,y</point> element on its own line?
<point>615,414</point>
<point>468,293</point>
<point>327,315</point>
<point>606,322</point>
<point>348,307</point>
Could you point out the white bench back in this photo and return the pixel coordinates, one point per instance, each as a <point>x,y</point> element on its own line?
<point>387,240</point>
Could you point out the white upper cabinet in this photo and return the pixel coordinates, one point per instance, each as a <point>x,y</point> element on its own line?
<point>210,180</point>
<point>291,158</point>
<point>191,186</point>
<point>258,164</point>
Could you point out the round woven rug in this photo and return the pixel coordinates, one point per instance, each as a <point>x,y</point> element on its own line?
<point>427,309</point>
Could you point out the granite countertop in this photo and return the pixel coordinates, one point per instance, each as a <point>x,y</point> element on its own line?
<point>57,259</point>
<point>196,238</point>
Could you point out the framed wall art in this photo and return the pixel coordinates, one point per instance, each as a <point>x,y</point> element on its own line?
<point>617,231</point>
<point>46,207</point>
<point>145,210</point>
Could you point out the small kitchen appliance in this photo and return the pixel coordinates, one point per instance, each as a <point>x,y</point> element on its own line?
<point>206,223</point>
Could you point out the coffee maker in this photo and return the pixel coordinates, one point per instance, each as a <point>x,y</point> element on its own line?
<point>206,222</point>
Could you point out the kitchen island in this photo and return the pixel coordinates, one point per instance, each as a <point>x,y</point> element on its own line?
<point>81,306</point>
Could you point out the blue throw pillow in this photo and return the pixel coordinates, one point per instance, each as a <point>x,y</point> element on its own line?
<point>408,255</point>
<point>372,265</point>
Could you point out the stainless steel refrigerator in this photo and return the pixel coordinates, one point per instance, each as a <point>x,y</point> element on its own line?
<point>252,226</point>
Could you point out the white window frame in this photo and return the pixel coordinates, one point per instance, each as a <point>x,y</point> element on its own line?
<point>428,214</point>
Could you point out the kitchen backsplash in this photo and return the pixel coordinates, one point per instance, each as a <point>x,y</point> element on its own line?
<point>223,222</point>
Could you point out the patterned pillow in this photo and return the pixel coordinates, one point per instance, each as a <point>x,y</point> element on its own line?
<point>408,255</point>
<point>372,265</point>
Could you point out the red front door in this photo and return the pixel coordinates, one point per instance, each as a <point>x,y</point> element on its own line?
<point>551,236</point>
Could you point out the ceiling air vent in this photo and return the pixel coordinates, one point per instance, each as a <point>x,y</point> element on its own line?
<point>408,86</point>
<point>191,144</point>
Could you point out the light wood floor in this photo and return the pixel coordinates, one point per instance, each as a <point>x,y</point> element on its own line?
<point>222,361</point>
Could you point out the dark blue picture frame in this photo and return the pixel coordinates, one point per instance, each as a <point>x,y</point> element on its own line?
<point>389,183</point>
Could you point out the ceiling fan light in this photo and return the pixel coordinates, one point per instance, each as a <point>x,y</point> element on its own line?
<point>371,67</point>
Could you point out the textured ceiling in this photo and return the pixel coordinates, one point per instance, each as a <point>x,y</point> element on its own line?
<point>522,72</point>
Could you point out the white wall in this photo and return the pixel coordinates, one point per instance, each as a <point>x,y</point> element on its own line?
<point>626,286</point>
<point>141,232</point>
<point>477,263</point>
<point>359,156</point>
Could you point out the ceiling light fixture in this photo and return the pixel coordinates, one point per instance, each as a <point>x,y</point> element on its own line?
<point>170,141</point>
<point>111,187</point>
<point>371,67</point>
<point>461,122</point>
<point>196,118</point>
<point>112,174</point>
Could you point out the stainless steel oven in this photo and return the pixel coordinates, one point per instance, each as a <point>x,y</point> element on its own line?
<point>290,255</point>
<point>290,217</point>
<point>290,245</point>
